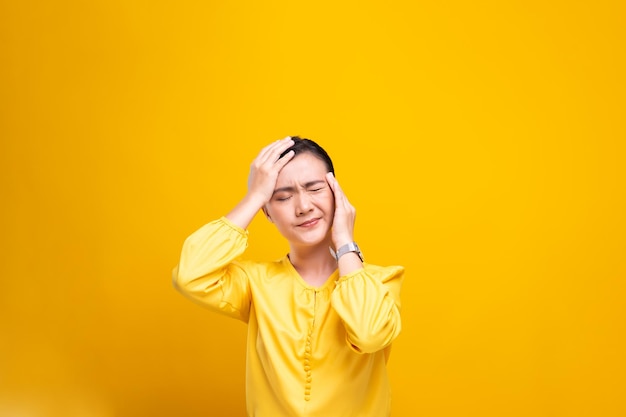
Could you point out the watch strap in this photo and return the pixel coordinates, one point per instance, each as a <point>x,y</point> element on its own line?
<point>348,247</point>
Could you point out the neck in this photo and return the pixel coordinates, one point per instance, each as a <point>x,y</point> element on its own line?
<point>314,264</point>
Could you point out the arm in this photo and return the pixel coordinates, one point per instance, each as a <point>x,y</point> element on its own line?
<point>208,272</point>
<point>343,228</point>
<point>261,182</point>
<point>366,298</point>
<point>368,302</point>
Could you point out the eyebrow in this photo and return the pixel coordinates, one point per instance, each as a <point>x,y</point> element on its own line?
<point>291,189</point>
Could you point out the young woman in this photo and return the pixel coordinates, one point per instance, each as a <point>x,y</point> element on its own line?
<point>320,321</point>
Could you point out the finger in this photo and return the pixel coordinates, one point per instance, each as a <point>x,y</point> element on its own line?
<point>281,162</point>
<point>330,179</point>
<point>272,152</point>
<point>340,197</point>
<point>334,183</point>
<point>269,150</point>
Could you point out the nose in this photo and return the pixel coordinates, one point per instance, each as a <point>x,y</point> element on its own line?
<point>303,204</point>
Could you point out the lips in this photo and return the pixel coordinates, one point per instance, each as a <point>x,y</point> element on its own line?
<point>309,223</point>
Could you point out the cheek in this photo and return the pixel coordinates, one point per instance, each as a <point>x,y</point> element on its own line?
<point>279,212</point>
<point>327,201</point>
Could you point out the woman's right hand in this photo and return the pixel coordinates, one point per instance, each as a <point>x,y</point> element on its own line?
<point>265,168</point>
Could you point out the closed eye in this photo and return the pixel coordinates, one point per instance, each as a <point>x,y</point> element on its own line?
<point>317,187</point>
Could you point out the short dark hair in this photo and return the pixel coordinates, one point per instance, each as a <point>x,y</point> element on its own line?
<point>303,145</point>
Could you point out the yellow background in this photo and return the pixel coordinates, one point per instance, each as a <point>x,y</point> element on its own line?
<point>483,144</point>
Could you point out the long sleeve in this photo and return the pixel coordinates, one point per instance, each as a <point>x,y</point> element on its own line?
<point>368,303</point>
<point>208,272</point>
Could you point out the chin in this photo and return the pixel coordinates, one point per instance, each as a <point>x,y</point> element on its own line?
<point>309,239</point>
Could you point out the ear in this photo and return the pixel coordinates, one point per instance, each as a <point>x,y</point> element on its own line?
<point>267,214</point>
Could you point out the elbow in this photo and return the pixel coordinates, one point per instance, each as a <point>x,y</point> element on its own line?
<point>371,341</point>
<point>177,282</point>
<point>191,283</point>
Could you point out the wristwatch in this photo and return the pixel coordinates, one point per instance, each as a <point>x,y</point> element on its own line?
<point>348,247</point>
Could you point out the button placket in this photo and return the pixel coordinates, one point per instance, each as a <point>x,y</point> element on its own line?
<point>308,355</point>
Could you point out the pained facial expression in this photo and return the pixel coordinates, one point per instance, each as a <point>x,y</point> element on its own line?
<point>303,204</point>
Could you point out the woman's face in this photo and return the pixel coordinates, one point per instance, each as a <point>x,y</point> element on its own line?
<point>303,204</point>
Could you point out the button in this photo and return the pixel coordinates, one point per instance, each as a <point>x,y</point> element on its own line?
<point>307,398</point>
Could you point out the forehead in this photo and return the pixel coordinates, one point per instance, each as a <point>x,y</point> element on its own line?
<point>303,167</point>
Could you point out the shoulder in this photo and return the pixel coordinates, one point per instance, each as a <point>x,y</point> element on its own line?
<point>263,270</point>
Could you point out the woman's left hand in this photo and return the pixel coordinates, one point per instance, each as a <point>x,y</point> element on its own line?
<point>345,214</point>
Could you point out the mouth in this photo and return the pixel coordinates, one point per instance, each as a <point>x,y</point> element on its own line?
<point>309,223</point>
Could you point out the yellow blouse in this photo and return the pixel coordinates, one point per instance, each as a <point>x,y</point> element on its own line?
<point>311,351</point>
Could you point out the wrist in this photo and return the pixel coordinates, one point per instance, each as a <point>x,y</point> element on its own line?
<point>350,247</point>
<point>257,200</point>
<point>343,240</point>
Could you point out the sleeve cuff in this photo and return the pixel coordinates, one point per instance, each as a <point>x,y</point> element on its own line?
<point>350,275</point>
<point>233,226</point>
